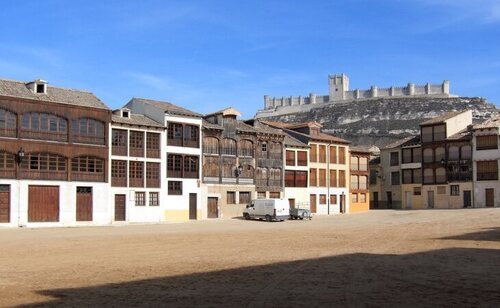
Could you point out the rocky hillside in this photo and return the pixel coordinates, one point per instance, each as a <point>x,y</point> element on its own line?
<point>381,121</point>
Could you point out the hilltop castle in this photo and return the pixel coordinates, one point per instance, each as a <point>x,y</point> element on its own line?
<point>339,91</point>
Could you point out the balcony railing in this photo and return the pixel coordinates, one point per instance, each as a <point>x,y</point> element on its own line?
<point>7,132</point>
<point>136,152</point>
<point>261,182</point>
<point>87,177</point>
<point>44,175</point>
<point>52,136</point>
<point>459,177</point>
<point>153,183</point>
<point>136,182</point>
<point>485,176</point>
<point>174,141</point>
<point>191,143</point>
<point>174,173</point>
<point>88,139</point>
<point>119,150</point>
<point>8,174</point>
<point>119,182</point>
<point>153,153</point>
<point>190,174</point>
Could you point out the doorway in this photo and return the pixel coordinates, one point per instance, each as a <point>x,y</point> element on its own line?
<point>193,206</point>
<point>84,204</point>
<point>4,203</point>
<point>43,203</point>
<point>430,199</point>
<point>312,203</point>
<point>408,200</point>
<point>490,197</point>
<point>375,200</point>
<point>212,207</point>
<point>292,203</point>
<point>467,198</point>
<point>120,213</point>
<point>389,199</point>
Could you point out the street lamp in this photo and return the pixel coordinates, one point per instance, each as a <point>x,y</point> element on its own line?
<point>238,170</point>
<point>342,203</point>
<point>20,155</point>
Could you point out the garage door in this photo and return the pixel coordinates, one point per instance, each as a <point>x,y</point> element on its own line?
<point>43,203</point>
<point>4,203</point>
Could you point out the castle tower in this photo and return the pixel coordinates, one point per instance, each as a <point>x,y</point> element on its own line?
<point>339,85</point>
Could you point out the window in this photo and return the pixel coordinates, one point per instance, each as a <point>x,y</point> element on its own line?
<point>118,142</point>
<point>261,176</point>
<point>174,134</point>
<point>140,198</point>
<point>333,154</point>
<point>174,187</point>
<point>439,154</point>
<point>428,176</point>
<point>228,147</point>
<point>87,168</point>
<point>354,163</point>
<point>313,153</point>
<point>174,165</point>
<point>136,143</point>
<point>341,155</point>
<point>191,136</point>
<point>426,134</point>
<point>210,145</point>
<point>44,162</point>
<point>441,190</point>
<point>301,158</point>
<point>40,88</point>
<point>154,199</point>
<point>191,167</point>
<point>231,197</point>
<point>466,152</point>
<point>363,163</point>
<point>428,155</point>
<point>7,165</point>
<point>290,158</point>
<point>417,191</point>
<point>295,178</point>
<point>407,156</point>
<point>263,147</point>
<point>275,177</point>
<point>87,130</point>
<point>7,123</point>
<point>136,174</point>
<point>395,178</point>
<point>439,133</point>
<point>152,174</point>
<point>333,199</point>
<point>342,178</point>
<point>354,198</point>
<point>363,182</point>
<point>244,197</point>
<point>313,177</point>
<point>486,142</point>
<point>487,170</point>
<point>454,190</point>
<point>322,199</point>
<point>322,153</point>
<point>153,145</point>
<point>394,158</point>
<point>261,195</point>
<point>440,175</point>
<point>362,198</point>
<point>333,178</point>
<point>274,195</point>
<point>44,126</point>
<point>119,173</point>
<point>245,148</point>
<point>411,155</point>
<point>322,177</point>
<point>453,153</point>
<point>275,151</point>
<point>354,182</point>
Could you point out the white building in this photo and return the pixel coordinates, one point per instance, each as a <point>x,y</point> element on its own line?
<point>181,151</point>
<point>486,158</point>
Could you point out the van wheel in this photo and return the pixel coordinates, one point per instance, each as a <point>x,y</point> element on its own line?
<point>246,216</point>
<point>268,218</point>
<point>301,218</point>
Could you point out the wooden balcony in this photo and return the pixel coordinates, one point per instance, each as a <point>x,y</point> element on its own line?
<point>119,182</point>
<point>44,175</point>
<point>190,174</point>
<point>87,177</point>
<point>6,132</point>
<point>51,136</point>
<point>120,151</point>
<point>153,153</point>
<point>136,182</point>
<point>7,174</point>
<point>174,173</point>
<point>174,141</point>
<point>487,176</point>
<point>88,139</point>
<point>136,152</point>
<point>191,143</point>
<point>153,183</point>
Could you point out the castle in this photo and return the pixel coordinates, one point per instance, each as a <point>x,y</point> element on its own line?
<point>339,91</point>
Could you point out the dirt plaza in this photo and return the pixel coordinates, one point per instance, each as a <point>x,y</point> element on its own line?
<point>379,258</point>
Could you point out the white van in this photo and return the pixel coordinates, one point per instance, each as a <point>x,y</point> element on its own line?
<point>268,209</point>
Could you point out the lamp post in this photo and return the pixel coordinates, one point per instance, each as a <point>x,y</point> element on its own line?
<point>20,157</point>
<point>342,202</point>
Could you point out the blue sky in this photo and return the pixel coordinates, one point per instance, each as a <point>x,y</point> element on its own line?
<point>207,55</point>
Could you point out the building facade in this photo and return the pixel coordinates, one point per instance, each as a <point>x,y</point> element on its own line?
<point>359,180</point>
<point>54,156</point>
<point>486,156</point>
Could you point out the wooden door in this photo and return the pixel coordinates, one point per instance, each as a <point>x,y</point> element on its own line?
<point>342,203</point>
<point>467,198</point>
<point>120,206</point>
<point>408,196</point>
<point>43,203</point>
<point>84,204</point>
<point>430,199</point>
<point>312,203</point>
<point>4,203</point>
<point>389,199</point>
<point>292,203</point>
<point>192,206</point>
<point>375,200</point>
<point>212,207</point>
<point>490,197</point>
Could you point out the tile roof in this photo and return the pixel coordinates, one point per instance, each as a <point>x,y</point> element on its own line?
<point>167,107</point>
<point>136,119</point>
<point>225,111</point>
<point>54,94</point>
<point>464,134</point>
<point>442,118</point>
<point>360,149</point>
<point>401,142</point>
<point>293,142</point>
<point>209,125</point>
<point>243,127</point>
<point>490,123</point>
<point>319,136</point>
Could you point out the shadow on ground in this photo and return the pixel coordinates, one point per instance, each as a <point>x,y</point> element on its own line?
<point>447,277</point>
<point>488,235</point>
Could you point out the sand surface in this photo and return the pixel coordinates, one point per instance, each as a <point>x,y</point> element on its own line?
<point>380,258</point>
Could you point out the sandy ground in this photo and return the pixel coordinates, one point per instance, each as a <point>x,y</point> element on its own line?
<point>380,258</point>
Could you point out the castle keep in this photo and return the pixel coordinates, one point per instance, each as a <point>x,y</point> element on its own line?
<point>339,91</point>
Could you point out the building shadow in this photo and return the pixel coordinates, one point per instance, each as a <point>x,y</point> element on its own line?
<point>488,235</point>
<point>447,277</point>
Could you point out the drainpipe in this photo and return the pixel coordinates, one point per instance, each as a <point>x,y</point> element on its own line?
<point>328,177</point>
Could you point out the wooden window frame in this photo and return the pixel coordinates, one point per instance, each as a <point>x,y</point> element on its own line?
<point>140,198</point>
<point>136,174</point>
<point>119,173</point>
<point>152,145</point>
<point>174,188</point>
<point>119,141</point>
<point>153,175</point>
<point>154,198</point>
